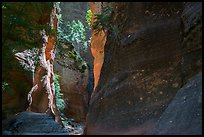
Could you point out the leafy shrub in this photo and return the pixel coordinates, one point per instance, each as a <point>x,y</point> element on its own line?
<point>72,34</point>
<point>20,30</point>
<point>59,101</point>
<point>88,17</point>
<point>4,85</point>
<point>76,32</point>
<point>102,19</point>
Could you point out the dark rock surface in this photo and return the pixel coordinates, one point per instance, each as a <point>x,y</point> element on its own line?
<point>144,66</point>
<point>183,115</point>
<point>29,123</point>
<point>191,19</point>
<point>17,39</point>
<point>139,77</point>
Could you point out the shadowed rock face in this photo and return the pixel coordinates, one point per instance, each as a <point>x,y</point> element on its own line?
<point>29,123</point>
<point>14,99</point>
<point>73,85</point>
<point>192,39</point>
<point>142,68</point>
<point>184,113</point>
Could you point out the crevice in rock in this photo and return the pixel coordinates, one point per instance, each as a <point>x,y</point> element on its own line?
<point>84,68</point>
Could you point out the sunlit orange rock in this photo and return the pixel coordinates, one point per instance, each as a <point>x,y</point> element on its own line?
<point>97,43</point>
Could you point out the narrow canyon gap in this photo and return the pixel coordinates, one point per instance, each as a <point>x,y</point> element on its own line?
<point>89,68</point>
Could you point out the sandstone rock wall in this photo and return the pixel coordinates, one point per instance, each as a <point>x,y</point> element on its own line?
<point>143,67</point>
<point>16,37</point>
<point>97,43</point>
<point>183,116</point>
<point>74,84</point>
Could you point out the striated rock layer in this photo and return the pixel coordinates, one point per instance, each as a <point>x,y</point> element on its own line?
<point>144,65</point>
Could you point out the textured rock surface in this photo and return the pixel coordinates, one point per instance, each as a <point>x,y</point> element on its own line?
<point>29,123</point>
<point>16,38</point>
<point>97,43</point>
<point>142,68</point>
<point>74,88</point>
<point>16,100</point>
<point>42,98</point>
<point>74,84</point>
<point>192,39</point>
<point>184,114</point>
<point>77,11</point>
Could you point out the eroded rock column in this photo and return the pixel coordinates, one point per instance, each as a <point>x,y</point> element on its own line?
<point>42,96</point>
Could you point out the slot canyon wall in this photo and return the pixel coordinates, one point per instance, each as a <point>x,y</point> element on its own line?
<point>97,43</point>
<point>76,85</point>
<point>26,22</point>
<point>144,69</point>
<point>155,52</point>
<point>19,34</point>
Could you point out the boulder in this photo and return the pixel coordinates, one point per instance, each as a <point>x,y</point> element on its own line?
<point>29,123</point>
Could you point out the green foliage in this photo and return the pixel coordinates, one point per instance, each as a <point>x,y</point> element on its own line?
<point>69,34</point>
<point>6,88</point>
<point>79,63</point>
<point>86,44</point>
<point>68,51</point>
<point>101,22</point>
<point>59,101</point>
<point>72,32</point>
<point>76,32</point>
<point>21,23</point>
<point>4,85</point>
<point>88,17</point>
